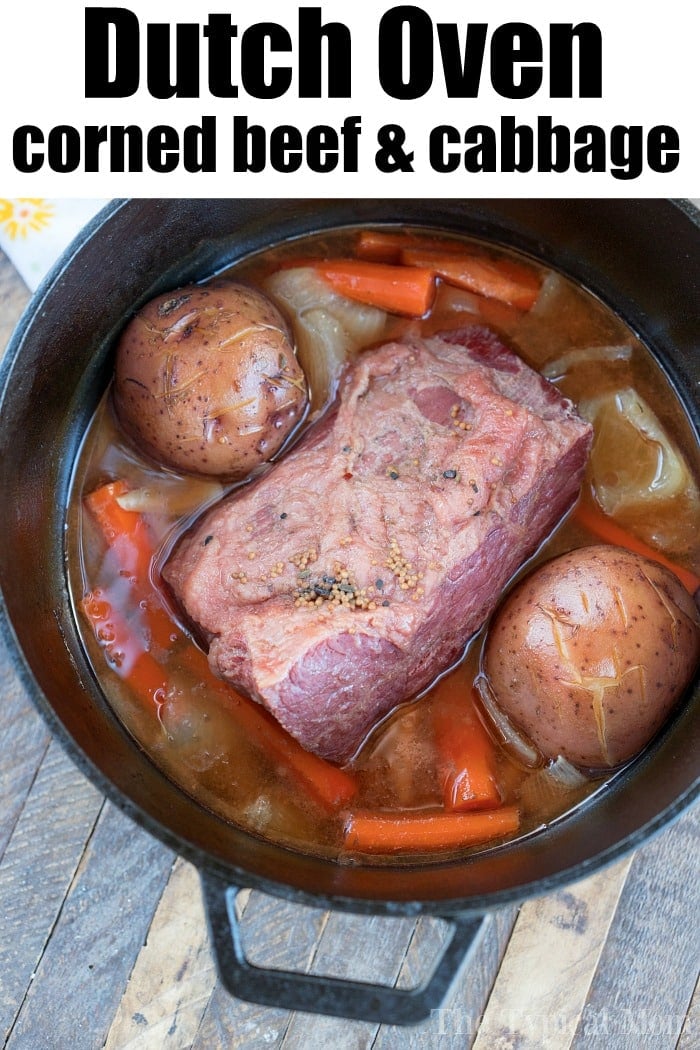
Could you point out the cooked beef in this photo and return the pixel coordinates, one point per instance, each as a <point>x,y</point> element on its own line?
<point>350,575</point>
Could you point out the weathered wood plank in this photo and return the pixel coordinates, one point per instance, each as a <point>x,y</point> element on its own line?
<point>25,739</point>
<point>41,858</point>
<point>104,921</point>
<point>452,1025</point>
<point>357,947</point>
<point>276,934</point>
<point>174,975</point>
<point>648,969</point>
<point>690,1036</point>
<point>531,1007</point>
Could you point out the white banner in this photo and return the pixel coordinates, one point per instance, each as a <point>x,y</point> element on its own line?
<point>439,98</point>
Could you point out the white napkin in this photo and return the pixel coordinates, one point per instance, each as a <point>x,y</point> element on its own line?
<point>35,231</point>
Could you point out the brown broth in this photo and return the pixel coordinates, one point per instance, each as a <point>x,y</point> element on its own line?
<point>193,734</point>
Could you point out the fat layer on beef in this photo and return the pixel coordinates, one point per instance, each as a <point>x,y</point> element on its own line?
<point>348,577</point>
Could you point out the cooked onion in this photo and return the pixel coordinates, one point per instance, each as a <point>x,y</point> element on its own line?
<point>323,347</point>
<point>455,300</point>
<point>544,787</point>
<point>565,774</point>
<point>512,740</point>
<point>554,370</point>
<point>328,327</point>
<point>633,461</point>
<point>180,499</point>
<point>551,288</point>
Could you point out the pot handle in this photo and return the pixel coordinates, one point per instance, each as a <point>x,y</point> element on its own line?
<point>334,996</point>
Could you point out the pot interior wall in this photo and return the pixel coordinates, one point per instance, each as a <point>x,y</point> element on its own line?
<point>640,257</point>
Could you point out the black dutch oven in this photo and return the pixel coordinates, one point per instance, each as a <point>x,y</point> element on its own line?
<point>639,257</point>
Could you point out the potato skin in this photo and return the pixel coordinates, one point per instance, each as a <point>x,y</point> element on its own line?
<point>588,655</point>
<point>206,381</point>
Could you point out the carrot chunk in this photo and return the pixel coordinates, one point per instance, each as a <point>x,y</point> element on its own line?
<point>503,279</point>
<point>467,755</point>
<point>393,833</point>
<point>124,531</point>
<point>607,529</point>
<point>329,784</point>
<point>404,290</point>
<point>126,648</point>
<point>386,246</point>
<point>128,537</point>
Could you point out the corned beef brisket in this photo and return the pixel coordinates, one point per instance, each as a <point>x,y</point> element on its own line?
<point>352,573</point>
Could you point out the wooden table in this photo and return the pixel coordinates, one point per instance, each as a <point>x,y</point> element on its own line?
<point>103,940</point>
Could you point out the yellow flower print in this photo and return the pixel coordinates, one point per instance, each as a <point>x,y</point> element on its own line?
<point>23,215</point>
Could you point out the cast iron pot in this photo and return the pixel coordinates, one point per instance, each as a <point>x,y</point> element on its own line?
<point>640,257</point>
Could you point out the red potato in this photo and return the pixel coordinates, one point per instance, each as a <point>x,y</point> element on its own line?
<point>590,653</point>
<point>206,380</point>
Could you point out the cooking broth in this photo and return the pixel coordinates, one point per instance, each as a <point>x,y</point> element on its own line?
<point>193,731</point>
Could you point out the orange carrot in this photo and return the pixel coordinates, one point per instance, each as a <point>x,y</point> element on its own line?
<point>467,755</point>
<point>125,646</point>
<point>127,643</point>
<point>127,649</point>
<point>607,529</point>
<point>330,785</point>
<point>503,279</point>
<point>404,290</point>
<point>386,246</point>
<point>427,832</point>
<point>124,531</point>
<point>128,537</point>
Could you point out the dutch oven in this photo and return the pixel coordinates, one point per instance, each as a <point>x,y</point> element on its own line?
<point>639,257</point>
